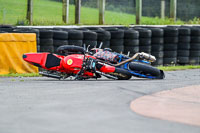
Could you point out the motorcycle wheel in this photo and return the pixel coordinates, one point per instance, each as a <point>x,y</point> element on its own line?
<point>121,74</point>
<point>144,69</point>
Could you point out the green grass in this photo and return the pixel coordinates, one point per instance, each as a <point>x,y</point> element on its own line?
<point>20,75</point>
<point>175,68</point>
<point>47,12</point>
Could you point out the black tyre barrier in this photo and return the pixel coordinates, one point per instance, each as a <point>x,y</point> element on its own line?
<point>46,34</point>
<point>194,53</point>
<point>131,34</point>
<point>38,48</point>
<point>105,44</point>
<point>170,54</point>
<point>119,49</point>
<point>169,61</point>
<point>116,42</point>
<point>144,33</point>
<point>89,35</point>
<point>46,42</point>
<point>159,54</point>
<point>131,49</point>
<point>9,30</point>
<point>58,43</point>
<point>131,42</point>
<point>60,35</point>
<point>183,53</point>
<point>195,39</point>
<point>170,32</point>
<point>171,40</point>
<point>184,39</point>
<point>91,43</point>
<point>145,41</point>
<point>184,31</point>
<point>75,35</point>
<point>157,32</point>
<point>170,47</point>
<point>157,47</point>
<point>117,34</point>
<point>47,49</point>
<point>146,49</point>
<point>183,46</point>
<point>158,62</point>
<point>103,35</point>
<point>194,60</point>
<point>157,40</point>
<point>195,46</point>
<point>76,42</point>
<point>195,32</point>
<point>182,60</point>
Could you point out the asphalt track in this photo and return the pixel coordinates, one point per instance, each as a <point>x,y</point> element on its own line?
<point>44,105</point>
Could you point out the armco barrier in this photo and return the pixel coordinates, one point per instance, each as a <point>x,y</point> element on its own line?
<point>12,47</point>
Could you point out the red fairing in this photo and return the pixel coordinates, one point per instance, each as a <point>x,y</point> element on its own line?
<point>107,69</point>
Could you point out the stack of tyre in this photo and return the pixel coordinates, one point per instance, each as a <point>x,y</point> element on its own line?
<point>117,40</point>
<point>195,46</point>
<point>75,37</point>
<point>104,38</point>
<point>183,51</point>
<point>170,45</point>
<point>46,40</point>
<point>144,40</point>
<point>6,28</point>
<point>131,42</point>
<point>59,38</point>
<point>157,41</point>
<point>90,39</point>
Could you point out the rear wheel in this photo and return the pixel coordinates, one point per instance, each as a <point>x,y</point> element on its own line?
<point>144,69</point>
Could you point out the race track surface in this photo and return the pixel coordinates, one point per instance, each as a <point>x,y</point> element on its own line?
<point>44,105</point>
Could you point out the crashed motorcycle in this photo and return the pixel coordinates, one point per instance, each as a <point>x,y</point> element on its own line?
<point>80,64</point>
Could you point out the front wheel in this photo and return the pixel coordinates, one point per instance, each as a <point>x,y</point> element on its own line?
<point>121,74</point>
<point>146,69</point>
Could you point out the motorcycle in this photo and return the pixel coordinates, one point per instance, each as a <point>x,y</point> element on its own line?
<point>77,62</point>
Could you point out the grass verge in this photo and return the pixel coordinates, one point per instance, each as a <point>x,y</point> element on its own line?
<point>20,75</point>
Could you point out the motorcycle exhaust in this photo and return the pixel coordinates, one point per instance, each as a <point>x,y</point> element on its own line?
<point>50,75</point>
<point>147,57</point>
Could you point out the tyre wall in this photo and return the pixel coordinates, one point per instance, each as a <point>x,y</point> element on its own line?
<point>171,45</point>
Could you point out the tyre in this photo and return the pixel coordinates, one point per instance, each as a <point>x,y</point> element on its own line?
<point>144,69</point>
<point>145,41</point>
<point>66,49</point>
<point>60,35</point>
<point>157,47</point>
<point>183,46</point>
<point>170,54</point>
<point>194,60</point>
<point>103,35</point>
<point>157,32</point>
<point>118,49</point>
<point>195,32</point>
<point>60,42</point>
<point>131,34</point>
<point>105,44</point>
<point>119,34</point>
<point>183,60</point>
<point>170,47</point>
<point>46,34</point>
<point>170,39</point>
<point>184,39</point>
<point>131,42</point>
<point>195,39</point>
<point>47,49</point>
<point>184,31</point>
<point>170,32</point>
<point>75,42</point>
<point>91,43</point>
<point>146,49</point>
<point>75,35</point>
<point>183,53</point>
<point>144,33</point>
<point>194,53</point>
<point>46,42</point>
<point>195,46</point>
<point>131,49</point>
<point>157,40</point>
<point>89,35</point>
<point>159,54</point>
<point>121,74</point>
<point>116,42</point>
<point>169,61</point>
